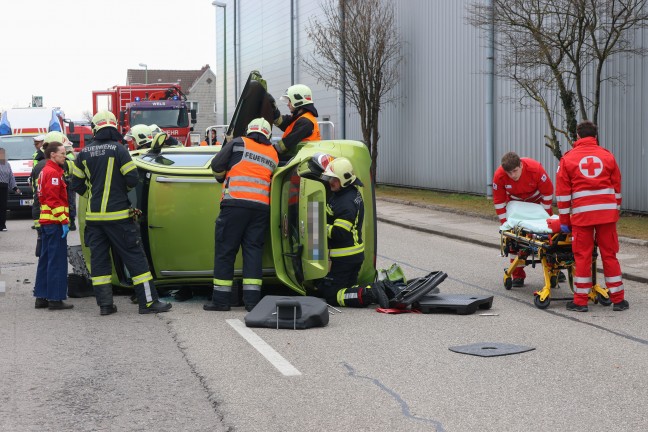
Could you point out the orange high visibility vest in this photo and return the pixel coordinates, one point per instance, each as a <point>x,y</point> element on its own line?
<point>250,178</point>
<point>315,136</point>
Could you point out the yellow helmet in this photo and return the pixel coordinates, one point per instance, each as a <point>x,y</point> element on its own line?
<point>261,126</point>
<point>141,134</point>
<point>341,169</point>
<point>155,129</point>
<point>103,119</point>
<point>55,136</point>
<point>298,95</point>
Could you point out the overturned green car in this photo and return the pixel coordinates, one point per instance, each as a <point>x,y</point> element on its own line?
<point>179,201</point>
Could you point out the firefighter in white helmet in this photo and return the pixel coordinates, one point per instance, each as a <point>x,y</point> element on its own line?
<point>245,166</point>
<point>345,217</point>
<point>301,124</point>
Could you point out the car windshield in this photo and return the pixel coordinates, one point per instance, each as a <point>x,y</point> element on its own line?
<point>18,147</point>
<point>164,118</point>
<point>179,159</point>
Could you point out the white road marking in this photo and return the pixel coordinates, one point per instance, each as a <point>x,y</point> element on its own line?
<point>266,350</point>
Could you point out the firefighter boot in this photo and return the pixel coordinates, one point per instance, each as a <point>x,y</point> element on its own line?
<point>107,310</point>
<point>147,298</point>
<point>375,294</point>
<point>251,296</point>
<point>104,296</point>
<point>220,299</point>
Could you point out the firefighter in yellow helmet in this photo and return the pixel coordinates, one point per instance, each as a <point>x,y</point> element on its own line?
<point>301,124</point>
<point>104,172</point>
<point>141,135</point>
<point>245,166</point>
<point>345,217</point>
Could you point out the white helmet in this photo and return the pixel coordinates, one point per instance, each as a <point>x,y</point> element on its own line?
<point>141,134</point>
<point>298,95</point>
<point>341,169</point>
<point>261,126</point>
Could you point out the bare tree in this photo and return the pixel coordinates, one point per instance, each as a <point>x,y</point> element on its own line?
<point>358,51</point>
<point>87,115</point>
<point>555,51</point>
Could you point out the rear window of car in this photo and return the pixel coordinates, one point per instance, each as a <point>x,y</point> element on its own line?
<point>189,160</point>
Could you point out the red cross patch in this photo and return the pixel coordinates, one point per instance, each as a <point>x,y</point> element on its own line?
<point>590,166</point>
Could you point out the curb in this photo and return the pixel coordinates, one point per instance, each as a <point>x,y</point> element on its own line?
<point>628,240</point>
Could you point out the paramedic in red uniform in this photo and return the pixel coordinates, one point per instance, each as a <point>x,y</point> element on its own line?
<point>520,179</point>
<point>588,191</point>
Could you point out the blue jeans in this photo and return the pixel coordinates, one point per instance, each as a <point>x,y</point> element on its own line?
<point>51,274</point>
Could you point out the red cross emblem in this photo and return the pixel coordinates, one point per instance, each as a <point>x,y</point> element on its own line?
<point>590,166</point>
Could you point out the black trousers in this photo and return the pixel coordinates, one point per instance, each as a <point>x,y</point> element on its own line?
<point>124,239</point>
<point>4,196</point>
<point>245,228</point>
<point>340,285</point>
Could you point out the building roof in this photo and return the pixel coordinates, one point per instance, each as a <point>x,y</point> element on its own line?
<point>186,78</point>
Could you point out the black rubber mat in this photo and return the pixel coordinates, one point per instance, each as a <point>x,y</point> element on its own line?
<point>461,304</point>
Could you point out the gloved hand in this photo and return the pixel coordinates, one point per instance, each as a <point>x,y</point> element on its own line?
<point>565,228</point>
<point>18,191</point>
<point>275,111</point>
<point>66,230</point>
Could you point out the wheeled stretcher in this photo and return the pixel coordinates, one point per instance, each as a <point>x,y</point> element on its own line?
<point>537,244</point>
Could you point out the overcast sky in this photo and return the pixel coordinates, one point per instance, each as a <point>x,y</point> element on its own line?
<point>64,49</point>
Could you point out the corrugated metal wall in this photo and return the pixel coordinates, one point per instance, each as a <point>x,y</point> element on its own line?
<point>434,137</point>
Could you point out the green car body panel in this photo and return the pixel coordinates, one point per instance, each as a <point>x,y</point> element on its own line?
<point>180,201</point>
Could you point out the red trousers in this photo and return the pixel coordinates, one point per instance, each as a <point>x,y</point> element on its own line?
<point>582,247</point>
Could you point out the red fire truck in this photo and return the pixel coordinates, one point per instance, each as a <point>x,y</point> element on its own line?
<point>162,104</point>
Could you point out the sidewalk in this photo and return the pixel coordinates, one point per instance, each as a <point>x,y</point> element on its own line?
<point>633,254</point>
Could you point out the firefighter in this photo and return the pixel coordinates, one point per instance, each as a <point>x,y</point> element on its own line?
<point>36,158</point>
<point>38,152</point>
<point>345,216</point>
<point>169,141</point>
<point>245,165</point>
<point>50,287</point>
<point>210,138</point>
<point>588,191</point>
<point>105,172</point>
<point>141,134</point>
<point>521,179</point>
<point>301,124</point>
<point>68,168</point>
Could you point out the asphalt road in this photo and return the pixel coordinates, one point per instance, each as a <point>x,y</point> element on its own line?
<point>190,370</point>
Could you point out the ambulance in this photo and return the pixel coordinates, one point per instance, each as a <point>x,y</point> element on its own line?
<point>18,127</point>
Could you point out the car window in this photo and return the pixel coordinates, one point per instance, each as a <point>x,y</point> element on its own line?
<point>179,159</point>
<point>18,147</point>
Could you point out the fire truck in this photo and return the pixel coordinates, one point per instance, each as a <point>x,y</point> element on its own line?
<point>162,104</point>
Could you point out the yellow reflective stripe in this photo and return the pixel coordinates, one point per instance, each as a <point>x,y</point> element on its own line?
<point>346,251</point>
<point>344,224</point>
<point>60,209</point>
<point>144,277</point>
<point>106,216</point>
<point>340,297</point>
<point>77,172</point>
<point>329,230</point>
<point>252,281</point>
<point>107,184</point>
<point>127,167</point>
<point>101,280</point>
<point>222,282</point>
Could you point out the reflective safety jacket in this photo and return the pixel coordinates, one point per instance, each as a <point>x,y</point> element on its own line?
<point>299,128</point>
<point>104,172</point>
<point>345,215</point>
<point>246,167</point>
<point>534,185</point>
<point>52,195</point>
<point>588,185</point>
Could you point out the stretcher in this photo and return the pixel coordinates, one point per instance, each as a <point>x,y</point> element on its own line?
<point>536,243</point>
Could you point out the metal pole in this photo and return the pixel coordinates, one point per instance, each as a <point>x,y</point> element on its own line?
<point>224,6</point>
<point>490,105</point>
